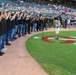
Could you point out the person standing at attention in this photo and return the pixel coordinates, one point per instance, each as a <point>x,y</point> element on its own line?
<point>57,24</point>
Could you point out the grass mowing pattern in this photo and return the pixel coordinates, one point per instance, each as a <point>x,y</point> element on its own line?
<point>56,59</point>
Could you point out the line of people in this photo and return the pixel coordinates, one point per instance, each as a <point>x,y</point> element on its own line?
<point>18,23</point>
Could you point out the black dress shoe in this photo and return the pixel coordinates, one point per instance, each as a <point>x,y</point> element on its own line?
<point>29,33</point>
<point>15,38</point>
<point>1,53</point>
<point>8,44</point>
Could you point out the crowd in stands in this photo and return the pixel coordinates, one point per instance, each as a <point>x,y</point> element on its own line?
<point>19,23</point>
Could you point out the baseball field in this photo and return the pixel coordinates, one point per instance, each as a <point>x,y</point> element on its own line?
<point>57,57</point>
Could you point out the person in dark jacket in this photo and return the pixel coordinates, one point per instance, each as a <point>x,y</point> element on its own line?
<point>8,23</point>
<point>13,15</point>
<point>42,23</point>
<point>16,25</point>
<point>20,22</point>
<point>1,34</point>
<point>38,24</point>
<point>24,24</point>
<point>4,29</point>
<point>29,24</point>
<point>35,24</point>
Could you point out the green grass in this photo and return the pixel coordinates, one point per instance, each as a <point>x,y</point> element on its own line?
<point>56,59</point>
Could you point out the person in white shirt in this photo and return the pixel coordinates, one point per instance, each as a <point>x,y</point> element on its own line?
<point>57,28</point>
